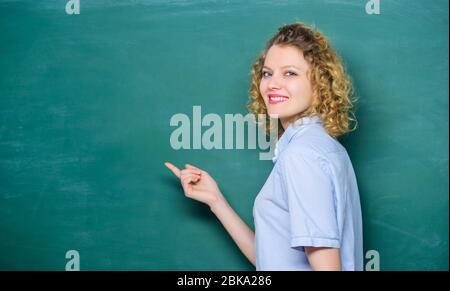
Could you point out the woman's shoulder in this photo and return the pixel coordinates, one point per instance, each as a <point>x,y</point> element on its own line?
<point>315,152</point>
<point>317,142</point>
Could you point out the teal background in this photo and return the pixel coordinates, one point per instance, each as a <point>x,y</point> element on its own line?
<point>85,105</point>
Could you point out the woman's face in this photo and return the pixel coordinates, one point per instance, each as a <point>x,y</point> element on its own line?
<point>285,84</point>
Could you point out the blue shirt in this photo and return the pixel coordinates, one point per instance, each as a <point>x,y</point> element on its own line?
<point>310,198</point>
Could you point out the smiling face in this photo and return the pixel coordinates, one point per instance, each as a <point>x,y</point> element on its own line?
<point>285,83</point>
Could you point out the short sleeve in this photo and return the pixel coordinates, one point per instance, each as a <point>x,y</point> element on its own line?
<point>308,188</point>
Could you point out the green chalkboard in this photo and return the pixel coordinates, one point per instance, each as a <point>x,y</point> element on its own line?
<point>85,106</point>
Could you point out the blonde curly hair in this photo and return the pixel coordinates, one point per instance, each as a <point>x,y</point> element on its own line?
<point>332,98</point>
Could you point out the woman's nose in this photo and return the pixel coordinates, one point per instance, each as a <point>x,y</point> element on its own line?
<point>274,83</point>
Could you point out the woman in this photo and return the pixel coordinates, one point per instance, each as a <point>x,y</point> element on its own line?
<point>307,215</point>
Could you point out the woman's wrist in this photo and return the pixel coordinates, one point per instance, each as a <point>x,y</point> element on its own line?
<point>218,203</point>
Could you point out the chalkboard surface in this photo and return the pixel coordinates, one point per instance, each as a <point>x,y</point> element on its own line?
<point>85,106</point>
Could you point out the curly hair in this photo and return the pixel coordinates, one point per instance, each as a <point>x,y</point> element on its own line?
<point>332,98</point>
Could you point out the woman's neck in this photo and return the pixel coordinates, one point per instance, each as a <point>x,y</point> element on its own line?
<point>285,122</point>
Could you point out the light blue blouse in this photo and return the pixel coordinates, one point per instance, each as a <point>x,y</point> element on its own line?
<point>310,198</point>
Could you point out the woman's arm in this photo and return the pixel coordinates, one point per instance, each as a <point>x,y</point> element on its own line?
<point>199,185</point>
<point>324,259</point>
<point>242,235</point>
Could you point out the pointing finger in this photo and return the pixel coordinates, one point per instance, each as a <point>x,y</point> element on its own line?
<point>174,169</point>
<point>190,171</point>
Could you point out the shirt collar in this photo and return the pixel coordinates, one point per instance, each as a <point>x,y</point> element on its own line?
<point>291,131</point>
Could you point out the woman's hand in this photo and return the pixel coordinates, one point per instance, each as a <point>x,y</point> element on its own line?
<point>197,184</point>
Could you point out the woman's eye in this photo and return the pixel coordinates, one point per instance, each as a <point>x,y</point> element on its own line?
<point>265,74</point>
<point>290,73</point>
